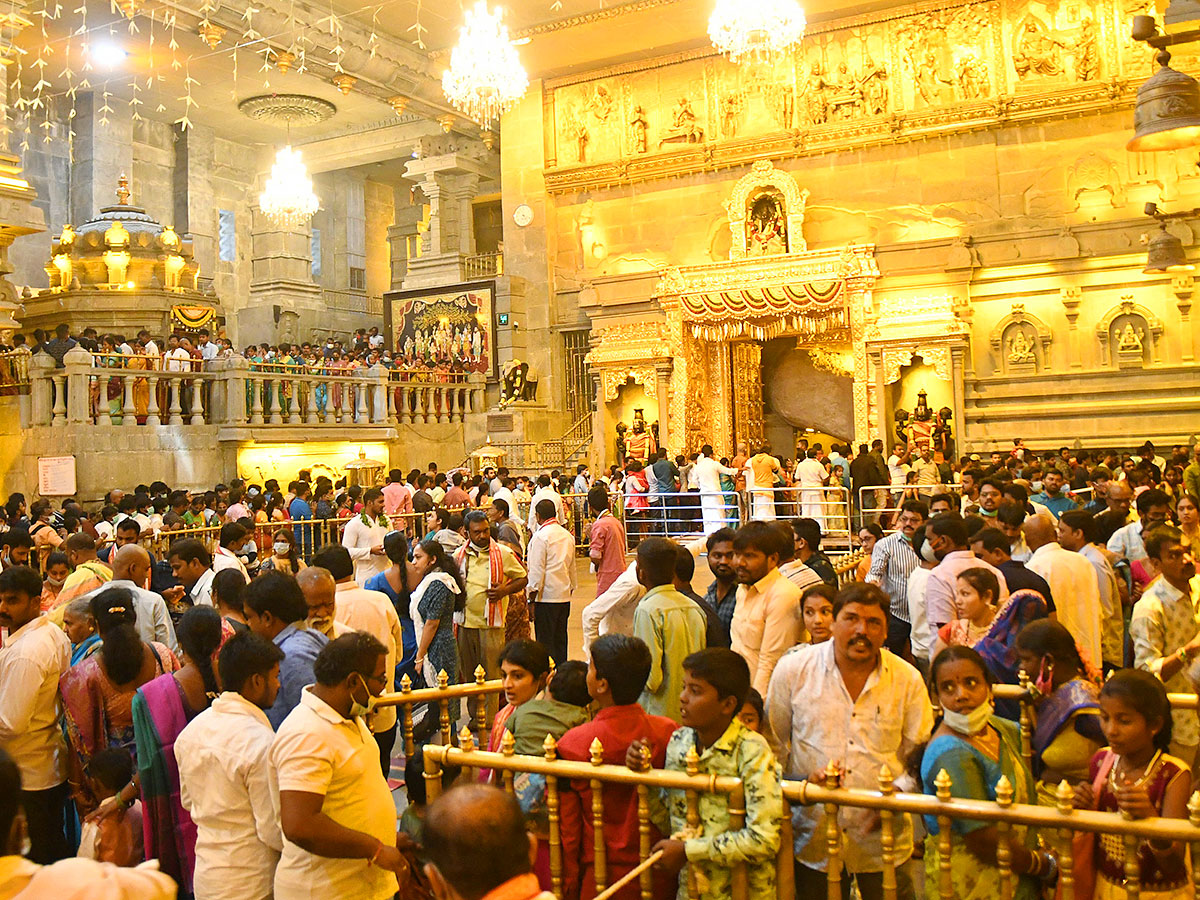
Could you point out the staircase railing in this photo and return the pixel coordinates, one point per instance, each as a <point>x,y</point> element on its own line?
<point>557,453</point>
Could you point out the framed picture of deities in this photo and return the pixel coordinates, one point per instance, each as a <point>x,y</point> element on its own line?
<point>446,326</point>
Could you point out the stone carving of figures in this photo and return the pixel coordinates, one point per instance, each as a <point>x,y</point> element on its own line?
<point>847,98</point>
<point>815,92</point>
<point>581,138</point>
<point>684,128</point>
<point>731,109</point>
<point>972,76</point>
<point>929,78</point>
<point>874,88</point>
<point>1131,340</point>
<point>786,107</point>
<point>1087,52</point>
<point>601,103</point>
<point>1020,348</point>
<point>637,127</point>
<point>1036,51</point>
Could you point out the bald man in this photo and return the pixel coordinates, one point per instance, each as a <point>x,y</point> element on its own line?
<point>131,569</point>
<point>1072,581</point>
<point>320,593</point>
<point>473,823</point>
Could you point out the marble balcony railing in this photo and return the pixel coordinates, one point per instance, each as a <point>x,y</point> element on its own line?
<point>107,390</point>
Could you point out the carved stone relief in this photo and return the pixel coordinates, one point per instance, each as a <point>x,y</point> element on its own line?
<point>1021,342</point>
<point>1053,42</point>
<point>948,55</point>
<point>1129,334</point>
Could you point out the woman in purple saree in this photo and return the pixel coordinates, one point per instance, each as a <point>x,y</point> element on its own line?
<point>161,710</point>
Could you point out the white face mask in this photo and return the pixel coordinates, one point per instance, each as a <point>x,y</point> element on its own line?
<point>971,722</point>
<point>361,709</point>
<point>282,548</point>
<point>927,553</point>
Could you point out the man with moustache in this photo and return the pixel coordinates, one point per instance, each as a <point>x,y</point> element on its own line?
<point>874,711</point>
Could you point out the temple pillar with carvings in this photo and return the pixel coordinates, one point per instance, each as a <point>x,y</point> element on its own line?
<point>449,180</point>
<point>666,435</point>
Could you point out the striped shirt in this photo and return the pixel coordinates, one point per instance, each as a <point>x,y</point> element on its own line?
<point>892,561</point>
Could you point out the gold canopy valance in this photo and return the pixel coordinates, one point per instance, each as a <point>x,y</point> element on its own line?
<point>804,294</point>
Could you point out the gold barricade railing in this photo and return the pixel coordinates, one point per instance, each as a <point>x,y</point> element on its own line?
<point>847,565</point>
<point>441,695</point>
<point>1055,824</point>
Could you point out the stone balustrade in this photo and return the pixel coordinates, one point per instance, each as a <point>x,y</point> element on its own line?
<point>106,390</point>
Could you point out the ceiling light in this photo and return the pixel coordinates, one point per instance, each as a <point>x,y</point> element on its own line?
<point>1167,114</point>
<point>759,29</point>
<point>106,54</point>
<point>288,199</point>
<point>485,77</point>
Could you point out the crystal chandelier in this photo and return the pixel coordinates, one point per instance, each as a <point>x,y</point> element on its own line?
<point>288,199</point>
<point>759,29</point>
<point>485,76</point>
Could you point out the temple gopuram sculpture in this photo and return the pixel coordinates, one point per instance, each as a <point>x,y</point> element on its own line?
<point>123,271</point>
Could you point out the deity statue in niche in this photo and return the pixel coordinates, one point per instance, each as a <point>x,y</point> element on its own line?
<point>601,103</point>
<point>1036,51</point>
<point>684,129</point>
<point>731,114</point>
<point>622,428</point>
<point>1020,349</point>
<point>637,129</point>
<point>916,428</point>
<point>929,77</point>
<point>639,443</point>
<point>766,226</point>
<point>874,88</point>
<point>1130,345</point>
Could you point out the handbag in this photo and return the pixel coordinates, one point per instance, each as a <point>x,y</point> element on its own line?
<point>1083,843</point>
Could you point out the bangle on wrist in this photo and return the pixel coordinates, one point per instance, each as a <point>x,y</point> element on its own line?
<point>375,855</point>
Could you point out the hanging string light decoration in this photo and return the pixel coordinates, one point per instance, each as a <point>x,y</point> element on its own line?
<point>288,199</point>
<point>485,77</point>
<point>758,30</point>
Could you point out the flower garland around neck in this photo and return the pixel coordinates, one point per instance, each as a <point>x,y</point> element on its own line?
<point>382,520</point>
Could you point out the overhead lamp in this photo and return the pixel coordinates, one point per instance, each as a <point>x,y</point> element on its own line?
<point>106,55</point>
<point>761,30</point>
<point>485,77</point>
<point>287,198</point>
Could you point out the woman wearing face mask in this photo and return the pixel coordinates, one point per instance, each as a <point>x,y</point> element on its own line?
<point>1067,734</point>
<point>977,749</point>
<point>285,556</point>
<point>57,569</point>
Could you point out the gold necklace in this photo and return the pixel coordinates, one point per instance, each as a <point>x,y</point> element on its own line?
<point>1147,772</point>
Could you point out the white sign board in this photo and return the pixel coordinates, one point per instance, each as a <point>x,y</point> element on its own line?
<point>56,476</point>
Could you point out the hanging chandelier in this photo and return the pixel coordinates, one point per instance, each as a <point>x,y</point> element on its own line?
<point>485,77</point>
<point>288,199</point>
<point>761,30</point>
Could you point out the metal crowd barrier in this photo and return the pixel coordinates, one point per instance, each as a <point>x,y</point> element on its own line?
<point>1059,823</point>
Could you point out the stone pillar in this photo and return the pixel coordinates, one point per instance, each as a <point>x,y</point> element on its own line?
<point>960,405</point>
<point>347,237</point>
<point>103,152</point>
<point>662,376</point>
<point>1071,298</point>
<point>449,180</point>
<point>1183,286</point>
<point>285,303</point>
<point>402,240</point>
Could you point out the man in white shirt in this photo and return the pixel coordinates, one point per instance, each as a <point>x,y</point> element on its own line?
<point>874,710</point>
<point>336,812</point>
<point>708,472</point>
<point>1072,582</point>
<point>364,535</point>
<point>131,570</point>
<point>231,538</point>
<point>208,350</point>
<point>897,465</point>
<point>1153,507</point>
<point>552,578</point>
<point>34,657</point>
<point>372,612</point>
<point>191,564</point>
<point>226,782</point>
<point>811,476</point>
<point>545,491</point>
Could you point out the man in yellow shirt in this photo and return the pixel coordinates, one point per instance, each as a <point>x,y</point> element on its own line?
<point>764,467</point>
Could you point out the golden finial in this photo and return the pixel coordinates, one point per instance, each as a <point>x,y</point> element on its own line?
<point>943,783</point>
<point>405,684</point>
<point>508,743</point>
<point>1064,797</point>
<point>480,675</point>
<point>1194,809</point>
<point>552,664</point>
<point>283,59</point>
<point>466,739</point>
<point>692,761</point>
<point>447,122</point>
<point>345,83</point>
<point>1023,679</point>
<point>489,139</point>
<point>646,757</point>
<point>887,784</point>
<point>833,775</point>
<point>1004,791</point>
<point>398,104</point>
<point>597,752</point>
<point>443,680</point>
<point>551,747</point>
<point>123,190</point>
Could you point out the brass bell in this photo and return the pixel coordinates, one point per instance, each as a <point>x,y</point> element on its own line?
<point>1166,254</point>
<point>1167,114</point>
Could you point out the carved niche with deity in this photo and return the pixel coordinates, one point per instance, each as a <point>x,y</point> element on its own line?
<point>766,214</point>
